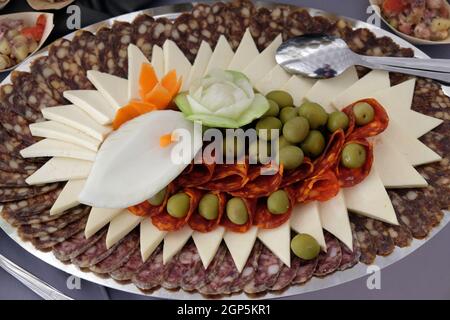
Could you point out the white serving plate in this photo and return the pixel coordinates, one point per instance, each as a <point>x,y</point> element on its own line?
<point>314,284</point>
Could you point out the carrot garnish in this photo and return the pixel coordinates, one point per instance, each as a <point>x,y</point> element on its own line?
<point>171,83</point>
<point>165,140</point>
<point>147,79</point>
<point>123,115</point>
<point>159,97</point>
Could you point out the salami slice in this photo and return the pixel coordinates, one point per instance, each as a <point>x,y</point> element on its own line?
<point>35,230</point>
<point>367,247</point>
<point>164,221</point>
<point>228,177</point>
<point>351,177</point>
<point>287,275</point>
<point>12,179</point>
<point>8,194</point>
<point>73,74</point>
<point>142,25</point>
<point>400,234</point>
<point>213,279</point>
<point>198,223</point>
<point>94,254</point>
<point>238,17</point>
<point>332,153</point>
<point>266,220</point>
<point>45,71</point>
<point>119,256</point>
<point>85,51</point>
<point>123,33</point>
<point>429,99</point>
<point>269,267</point>
<point>249,270</point>
<point>196,276</point>
<point>196,175</point>
<point>151,274</point>
<point>16,104</point>
<point>305,270</point>
<point>296,175</point>
<point>331,260</point>
<point>210,21</point>
<point>251,208</point>
<point>380,236</point>
<point>260,184</point>
<point>48,241</point>
<point>15,125</point>
<point>262,30</point>
<point>105,44</point>
<point>11,144</point>
<point>186,33</point>
<point>350,257</point>
<point>160,31</point>
<point>75,245</point>
<point>127,271</point>
<point>16,165</point>
<point>317,188</point>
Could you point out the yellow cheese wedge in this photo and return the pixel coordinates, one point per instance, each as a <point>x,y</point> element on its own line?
<point>62,132</point>
<point>272,81</point>
<point>60,169</point>
<point>278,241</point>
<point>76,118</point>
<point>201,62</point>
<point>221,56</point>
<point>135,60</point>
<point>98,218</point>
<point>174,59</point>
<point>298,86</point>
<point>334,218</point>
<point>174,242</point>
<point>208,243</point>
<point>151,237</point>
<point>93,103</point>
<point>245,53</point>
<point>158,61</point>
<point>306,219</point>
<point>120,226</point>
<point>68,198</point>
<point>56,148</point>
<point>240,245</point>
<point>113,88</point>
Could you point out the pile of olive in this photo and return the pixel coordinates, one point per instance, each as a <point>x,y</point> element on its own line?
<point>14,46</point>
<point>303,129</point>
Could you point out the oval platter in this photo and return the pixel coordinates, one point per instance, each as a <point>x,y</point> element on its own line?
<point>357,271</point>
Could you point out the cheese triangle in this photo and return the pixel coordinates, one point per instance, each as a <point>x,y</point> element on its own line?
<point>245,53</point>
<point>68,198</point>
<point>60,169</point>
<point>221,56</point>
<point>174,241</point>
<point>201,62</point>
<point>174,59</point>
<point>113,88</point>
<point>208,243</point>
<point>158,61</point>
<point>135,61</point>
<point>305,218</point>
<point>98,218</point>
<point>240,245</point>
<point>93,103</point>
<point>278,240</point>
<point>120,226</point>
<point>298,86</point>
<point>151,237</point>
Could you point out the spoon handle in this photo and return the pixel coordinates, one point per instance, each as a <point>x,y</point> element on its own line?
<point>440,65</point>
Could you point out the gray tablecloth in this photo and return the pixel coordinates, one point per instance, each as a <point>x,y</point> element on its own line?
<point>421,275</point>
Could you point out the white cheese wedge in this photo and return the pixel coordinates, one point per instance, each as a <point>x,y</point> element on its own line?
<point>174,59</point>
<point>264,62</point>
<point>93,103</point>
<point>120,226</point>
<point>113,88</point>
<point>414,151</point>
<point>324,91</point>
<point>201,62</point>
<point>305,218</point>
<point>399,96</point>
<point>298,86</point>
<point>221,56</point>
<point>135,61</point>
<point>76,118</point>
<point>60,169</point>
<point>175,241</point>
<point>151,237</point>
<point>158,61</point>
<point>240,245</point>
<point>373,81</point>
<point>208,243</point>
<point>61,132</point>
<point>56,148</point>
<point>278,240</point>
<point>98,218</point>
<point>393,167</point>
<point>273,80</point>
<point>245,53</point>
<point>334,218</point>
<point>369,198</point>
<point>68,198</point>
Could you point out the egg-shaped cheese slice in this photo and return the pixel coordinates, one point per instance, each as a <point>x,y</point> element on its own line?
<point>131,165</point>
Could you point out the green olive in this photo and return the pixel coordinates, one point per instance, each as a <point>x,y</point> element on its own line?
<point>282,98</point>
<point>353,156</point>
<point>232,150</point>
<point>265,125</point>
<point>291,157</point>
<point>208,206</point>
<point>257,154</point>
<point>158,198</point>
<point>305,246</point>
<point>287,113</point>
<point>178,205</point>
<point>337,120</point>
<point>274,109</point>
<point>364,113</point>
<point>237,211</point>
<point>314,144</point>
<point>282,142</point>
<point>296,129</point>
<point>316,115</point>
<point>278,202</point>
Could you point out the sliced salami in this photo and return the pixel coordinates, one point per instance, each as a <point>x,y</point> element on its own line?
<point>305,270</point>
<point>329,261</point>
<point>196,276</point>
<point>11,144</point>
<point>151,274</point>
<point>237,19</point>
<point>142,25</point>
<point>8,194</point>
<point>401,235</point>
<point>76,245</point>
<point>94,254</point>
<point>123,33</point>
<point>261,30</point>
<point>350,257</point>
<point>127,271</point>
<point>249,270</point>
<point>287,275</point>
<point>380,236</point>
<point>119,256</point>
<point>16,104</point>
<point>12,179</point>
<point>186,33</point>
<point>429,99</point>
<point>15,125</point>
<point>85,51</point>
<point>105,44</point>
<point>160,31</point>
<point>48,241</point>
<point>45,71</point>
<point>16,165</point>
<point>269,268</point>
<point>368,249</point>
<point>211,22</point>
<point>41,229</point>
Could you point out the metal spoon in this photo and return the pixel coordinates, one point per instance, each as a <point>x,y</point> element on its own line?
<point>324,56</point>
